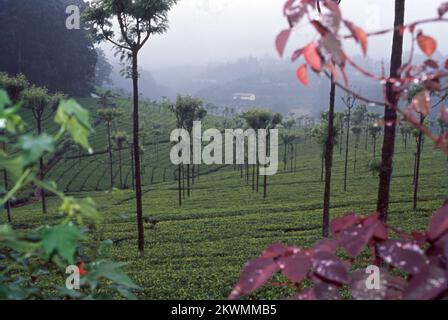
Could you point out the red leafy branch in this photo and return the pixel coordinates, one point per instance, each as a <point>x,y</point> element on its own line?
<point>421,257</point>
<point>326,55</point>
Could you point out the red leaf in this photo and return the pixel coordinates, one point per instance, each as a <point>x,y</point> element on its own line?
<point>256,272</point>
<point>419,237</point>
<point>281,41</point>
<point>274,251</point>
<point>422,103</point>
<point>333,71</point>
<point>302,75</point>
<point>82,271</point>
<point>344,75</point>
<point>444,115</point>
<point>319,27</point>
<point>359,35</point>
<point>326,245</point>
<point>403,255</point>
<point>340,224</point>
<point>355,239</point>
<point>390,287</point>
<point>439,223</point>
<point>432,64</point>
<point>326,291</point>
<point>378,228</point>
<point>443,9</point>
<point>328,267</point>
<point>333,7</point>
<point>427,285</point>
<point>312,56</point>
<point>427,44</point>
<point>306,295</point>
<point>296,55</point>
<point>295,267</point>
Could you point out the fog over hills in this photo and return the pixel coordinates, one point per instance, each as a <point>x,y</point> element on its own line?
<point>272,82</point>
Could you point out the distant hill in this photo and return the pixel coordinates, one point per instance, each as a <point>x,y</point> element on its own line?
<point>272,82</point>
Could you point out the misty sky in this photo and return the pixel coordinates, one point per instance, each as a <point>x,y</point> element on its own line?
<point>204,31</point>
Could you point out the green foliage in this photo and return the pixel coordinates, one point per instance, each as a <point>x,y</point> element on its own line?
<point>258,118</point>
<point>38,253</point>
<point>149,16</point>
<point>34,147</point>
<point>61,240</point>
<point>74,119</point>
<point>120,138</point>
<point>109,114</point>
<point>36,43</point>
<point>13,85</point>
<point>188,109</point>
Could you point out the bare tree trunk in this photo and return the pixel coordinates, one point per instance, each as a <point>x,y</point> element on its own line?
<point>121,169</point>
<point>188,181</point>
<point>179,185</point>
<point>347,148</point>
<point>329,146</point>
<point>291,159</point>
<point>136,142</point>
<point>295,158</point>
<point>342,133</point>
<point>183,182</point>
<point>41,168</point>
<point>390,115</point>
<point>247,171</point>
<point>322,166</point>
<point>417,164</point>
<point>253,177</point>
<point>132,166</point>
<point>5,178</point>
<point>374,147</point>
<point>265,178</point>
<point>285,158</point>
<point>110,156</point>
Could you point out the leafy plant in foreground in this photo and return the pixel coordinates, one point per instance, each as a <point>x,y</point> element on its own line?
<point>422,258</point>
<point>28,258</point>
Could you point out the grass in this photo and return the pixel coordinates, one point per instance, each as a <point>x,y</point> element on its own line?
<point>197,251</point>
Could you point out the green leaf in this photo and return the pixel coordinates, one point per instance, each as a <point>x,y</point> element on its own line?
<point>34,148</point>
<point>62,240</point>
<point>12,165</point>
<point>75,119</point>
<point>10,239</point>
<point>14,291</point>
<point>4,99</point>
<point>109,270</point>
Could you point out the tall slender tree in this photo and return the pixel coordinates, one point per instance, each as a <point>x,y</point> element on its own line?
<point>137,20</point>
<point>256,119</point>
<point>328,154</point>
<point>14,86</point>
<point>390,114</point>
<point>108,116</point>
<point>350,103</point>
<point>120,138</point>
<point>42,106</point>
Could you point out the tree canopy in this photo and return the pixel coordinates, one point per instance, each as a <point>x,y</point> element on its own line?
<point>36,43</point>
